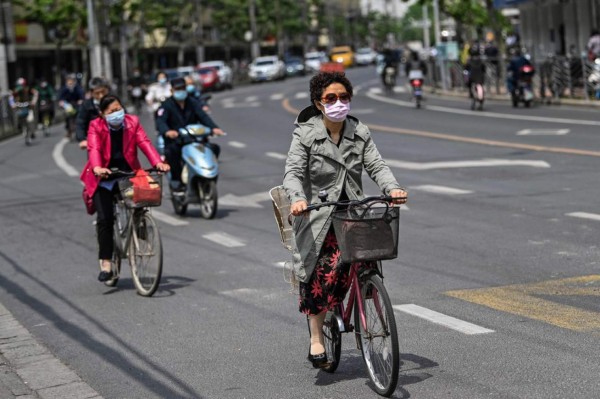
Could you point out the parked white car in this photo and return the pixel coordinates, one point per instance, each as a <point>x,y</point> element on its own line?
<point>364,56</point>
<point>314,59</point>
<point>266,68</point>
<point>223,70</point>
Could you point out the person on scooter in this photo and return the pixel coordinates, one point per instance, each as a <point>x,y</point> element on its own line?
<point>195,92</point>
<point>45,102</point>
<point>415,67</point>
<point>517,61</point>
<point>88,111</point>
<point>176,112</point>
<point>158,92</point>
<point>389,61</point>
<point>69,98</point>
<point>475,69</point>
<point>22,100</point>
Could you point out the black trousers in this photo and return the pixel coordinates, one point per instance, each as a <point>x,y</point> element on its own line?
<point>103,199</point>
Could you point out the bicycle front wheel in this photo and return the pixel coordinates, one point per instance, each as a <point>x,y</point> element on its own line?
<point>145,254</point>
<point>378,338</point>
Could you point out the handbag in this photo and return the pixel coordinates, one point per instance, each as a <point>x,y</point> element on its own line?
<point>88,200</point>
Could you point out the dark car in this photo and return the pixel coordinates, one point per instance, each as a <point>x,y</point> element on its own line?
<point>209,78</point>
<point>294,66</point>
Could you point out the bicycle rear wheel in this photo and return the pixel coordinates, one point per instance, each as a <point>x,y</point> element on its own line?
<point>145,254</point>
<point>378,342</point>
<point>333,341</point>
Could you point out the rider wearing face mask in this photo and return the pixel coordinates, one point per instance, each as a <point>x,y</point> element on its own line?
<point>158,91</point>
<point>176,112</point>
<point>88,111</point>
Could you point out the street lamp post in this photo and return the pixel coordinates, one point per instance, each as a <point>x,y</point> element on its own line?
<point>439,57</point>
<point>254,48</point>
<point>94,43</point>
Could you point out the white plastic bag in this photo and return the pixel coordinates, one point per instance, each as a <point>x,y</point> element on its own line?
<point>30,116</point>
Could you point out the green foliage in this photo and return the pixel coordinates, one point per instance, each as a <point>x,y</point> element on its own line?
<point>60,18</point>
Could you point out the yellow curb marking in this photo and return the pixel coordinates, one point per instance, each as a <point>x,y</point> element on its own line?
<point>441,136</point>
<point>525,300</point>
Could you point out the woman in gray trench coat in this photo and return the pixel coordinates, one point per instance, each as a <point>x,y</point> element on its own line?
<point>329,151</point>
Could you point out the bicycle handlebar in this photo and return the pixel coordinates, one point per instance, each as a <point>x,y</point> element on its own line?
<point>376,198</point>
<point>117,173</point>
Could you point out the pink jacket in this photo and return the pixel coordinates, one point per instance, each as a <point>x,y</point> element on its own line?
<point>98,142</point>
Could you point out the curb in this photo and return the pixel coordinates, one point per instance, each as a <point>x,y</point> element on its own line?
<point>30,371</point>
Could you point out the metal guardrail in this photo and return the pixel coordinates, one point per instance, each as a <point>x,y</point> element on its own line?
<point>556,77</point>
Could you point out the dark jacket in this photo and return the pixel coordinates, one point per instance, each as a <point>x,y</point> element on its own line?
<point>170,116</point>
<point>87,112</point>
<point>476,69</point>
<point>71,96</point>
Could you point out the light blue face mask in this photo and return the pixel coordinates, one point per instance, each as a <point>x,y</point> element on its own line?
<point>116,118</point>
<point>190,88</point>
<point>180,95</point>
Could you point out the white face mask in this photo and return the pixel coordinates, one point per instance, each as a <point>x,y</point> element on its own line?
<point>337,111</point>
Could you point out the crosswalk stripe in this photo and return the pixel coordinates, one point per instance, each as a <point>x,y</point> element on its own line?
<point>276,155</point>
<point>163,217</point>
<point>224,239</point>
<point>585,215</point>
<point>442,319</point>
<point>237,144</point>
<point>440,189</point>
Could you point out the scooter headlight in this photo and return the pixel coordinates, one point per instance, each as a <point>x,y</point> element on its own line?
<point>185,175</point>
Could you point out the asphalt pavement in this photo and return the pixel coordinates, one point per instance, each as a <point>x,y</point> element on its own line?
<point>497,211</point>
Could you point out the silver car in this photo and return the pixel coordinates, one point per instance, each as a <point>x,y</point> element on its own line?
<point>266,68</point>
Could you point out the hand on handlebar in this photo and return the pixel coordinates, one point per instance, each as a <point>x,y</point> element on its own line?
<point>218,132</point>
<point>298,207</point>
<point>102,172</point>
<point>172,134</point>
<point>399,196</point>
<point>163,167</point>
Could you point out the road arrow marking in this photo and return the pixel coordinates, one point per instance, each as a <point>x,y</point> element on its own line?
<point>224,239</point>
<point>465,164</point>
<point>245,201</point>
<point>441,189</point>
<point>276,155</point>
<point>543,132</point>
<point>442,319</point>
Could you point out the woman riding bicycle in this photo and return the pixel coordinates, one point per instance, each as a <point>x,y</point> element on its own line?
<point>329,151</point>
<point>113,141</point>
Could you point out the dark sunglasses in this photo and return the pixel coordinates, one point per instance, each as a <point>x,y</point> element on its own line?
<point>332,98</point>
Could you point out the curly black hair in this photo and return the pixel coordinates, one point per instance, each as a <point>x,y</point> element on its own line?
<point>322,80</point>
<point>107,100</point>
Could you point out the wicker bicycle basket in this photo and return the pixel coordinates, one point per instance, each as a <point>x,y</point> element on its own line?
<point>137,195</point>
<point>368,233</point>
<point>281,210</point>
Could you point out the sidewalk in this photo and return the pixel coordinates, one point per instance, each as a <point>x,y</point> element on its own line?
<point>29,371</point>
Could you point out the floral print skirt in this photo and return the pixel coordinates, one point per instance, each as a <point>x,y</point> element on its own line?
<point>329,281</point>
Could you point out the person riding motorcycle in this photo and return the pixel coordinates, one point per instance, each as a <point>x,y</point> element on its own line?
<point>389,61</point>
<point>158,92</point>
<point>195,92</point>
<point>475,69</point>
<point>176,112</point>
<point>69,98</point>
<point>88,111</point>
<point>23,100</point>
<point>415,68</point>
<point>514,69</point>
<point>45,101</point>
<point>136,87</point>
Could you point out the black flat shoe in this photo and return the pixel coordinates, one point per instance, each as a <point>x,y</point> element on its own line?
<point>105,276</point>
<point>319,360</point>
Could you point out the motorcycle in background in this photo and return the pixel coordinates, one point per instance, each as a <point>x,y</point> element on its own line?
<point>523,87</point>
<point>389,78</point>
<point>199,174</point>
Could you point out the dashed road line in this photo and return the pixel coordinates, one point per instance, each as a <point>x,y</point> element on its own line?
<point>543,132</point>
<point>163,217</point>
<point>237,144</point>
<point>430,188</point>
<point>585,215</point>
<point>277,96</point>
<point>276,155</point>
<point>224,239</point>
<point>465,164</point>
<point>443,320</point>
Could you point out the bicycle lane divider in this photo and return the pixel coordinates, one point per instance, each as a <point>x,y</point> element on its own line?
<point>472,140</point>
<point>441,319</point>
<point>59,159</point>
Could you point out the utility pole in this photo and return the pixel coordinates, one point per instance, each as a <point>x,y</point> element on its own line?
<point>426,40</point>
<point>199,33</point>
<point>93,42</point>
<point>254,47</point>
<point>438,42</point>
<point>6,52</point>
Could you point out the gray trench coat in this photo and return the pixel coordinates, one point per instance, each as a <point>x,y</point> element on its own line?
<point>315,163</point>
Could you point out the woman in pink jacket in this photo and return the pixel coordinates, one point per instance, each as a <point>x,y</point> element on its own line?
<point>113,141</point>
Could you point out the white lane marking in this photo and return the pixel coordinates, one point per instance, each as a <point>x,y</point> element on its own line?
<point>224,239</point>
<point>379,90</point>
<point>163,217</point>
<point>441,189</point>
<point>241,105</point>
<point>237,144</point>
<point>543,132</point>
<point>464,164</point>
<point>487,113</point>
<point>60,160</point>
<point>251,99</point>
<point>442,319</point>
<point>277,96</point>
<point>276,155</point>
<point>585,215</point>
<point>245,201</point>
<point>301,95</point>
<point>240,291</point>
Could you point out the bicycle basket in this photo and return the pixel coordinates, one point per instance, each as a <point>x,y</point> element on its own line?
<point>367,234</point>
<point>142,191</point>
<point>281,209</point>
